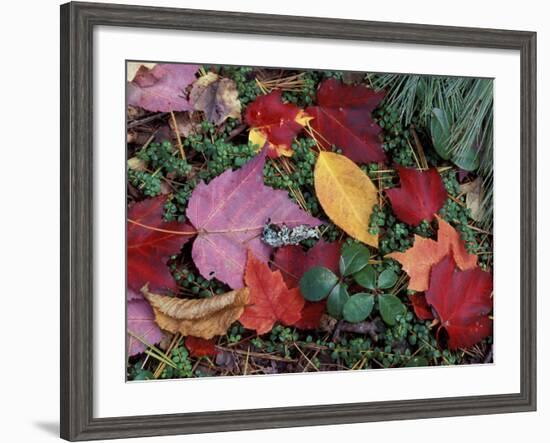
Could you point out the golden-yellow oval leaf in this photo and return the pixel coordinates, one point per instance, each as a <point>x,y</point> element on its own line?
<point>346,194</point>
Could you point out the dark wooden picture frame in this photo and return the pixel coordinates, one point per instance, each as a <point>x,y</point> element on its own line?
<point>77,213</point>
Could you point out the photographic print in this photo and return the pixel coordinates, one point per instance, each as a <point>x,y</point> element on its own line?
<point>283,220</point>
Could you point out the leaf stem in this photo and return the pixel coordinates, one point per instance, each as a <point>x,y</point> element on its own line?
<point>166,231</point>
<point>169,231</point>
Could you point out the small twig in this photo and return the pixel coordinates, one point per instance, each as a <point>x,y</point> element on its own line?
<point>145,120</point>
<point>259,355</point>
<point>235,132</point>
<point>418,165</point>
<point>456,200</point>
<point>178,138</point>
<point>309,362</point>
<point>419,148</point>
<point>162,365</point>
<point>245,369</point>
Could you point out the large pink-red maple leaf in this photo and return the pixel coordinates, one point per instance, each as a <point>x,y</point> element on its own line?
<point>293,262</point>
<point>162,89</point>
<point>230,213</point>
<point>275,123</point>
<point>420,196</point>
<point>150,243</point>
<point>343,118</point>
<point>270,300</point>
<point>462,301</point>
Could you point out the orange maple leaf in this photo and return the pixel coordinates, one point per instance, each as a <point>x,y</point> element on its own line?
<point>418,260</point>
<point>270,300</point>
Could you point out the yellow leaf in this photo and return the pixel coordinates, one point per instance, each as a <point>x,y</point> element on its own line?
<point>346,194</point>
<point>202,318</point>
<point>303,118</point>
<point>257,137</point>
<point>136,164</point>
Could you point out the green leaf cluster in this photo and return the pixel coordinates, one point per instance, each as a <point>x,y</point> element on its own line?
<point>320,283</point>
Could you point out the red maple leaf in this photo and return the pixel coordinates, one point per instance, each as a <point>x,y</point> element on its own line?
<point>151,242</point>
<point>420,196</point>
<point>293,262</point>
<point>270,299</point>
<point>199,347</point>
<point>462,301</point>
<point>343,118</point>
<point>421,307</point>
<point>274,123</point>
<point>418,260</point>
<point>311,315</point>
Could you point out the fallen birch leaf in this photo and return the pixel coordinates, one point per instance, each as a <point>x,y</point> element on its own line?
<point>346,194</point>
<point>217,97</point>
<point>203,318</point>
<point>418,260</point>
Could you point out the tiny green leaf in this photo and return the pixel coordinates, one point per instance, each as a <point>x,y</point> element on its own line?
<point>417,361</point>
<point>317,283</point>
<point>390,307</point>
<point>336,300</point>
<point>366,277</point>
<point>144,375</point>
<point>358,307</point>
<point>387,279</point>
<point>354,258</point>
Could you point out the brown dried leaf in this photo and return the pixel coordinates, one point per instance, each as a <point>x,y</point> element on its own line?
<point>352,78</point>
<point>133,68</point>
<point>136,164</point>
<point>202,318</point>
<point>474,196</point>
<point>217,97</point>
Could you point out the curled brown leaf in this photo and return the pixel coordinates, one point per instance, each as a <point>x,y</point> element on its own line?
<point>202,318</point>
